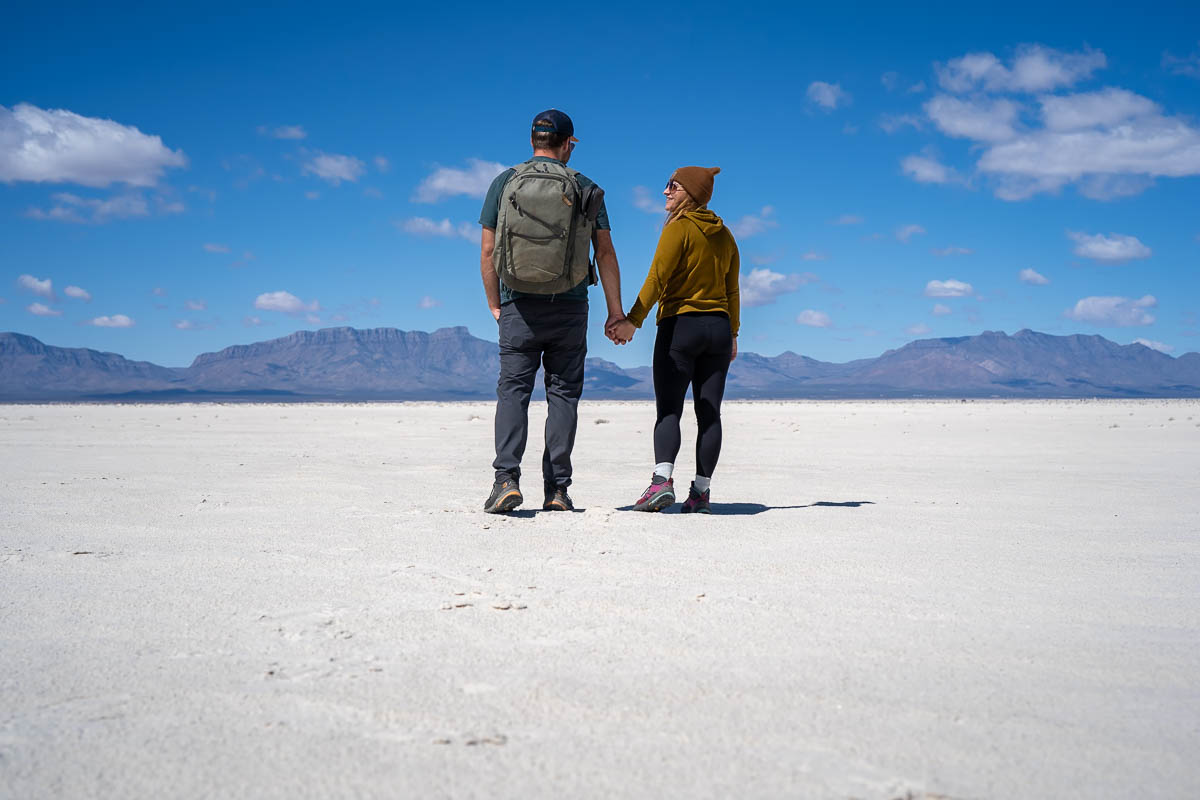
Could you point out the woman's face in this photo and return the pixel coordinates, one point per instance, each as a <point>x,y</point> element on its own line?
<point>675,195</point>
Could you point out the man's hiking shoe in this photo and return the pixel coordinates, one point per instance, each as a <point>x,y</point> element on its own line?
<point>696,503</point>
<point>505,496</point>
<point>659,494</point>
<point>557,499</point>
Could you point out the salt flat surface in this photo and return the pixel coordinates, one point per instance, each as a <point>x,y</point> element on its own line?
<point>984,599</point>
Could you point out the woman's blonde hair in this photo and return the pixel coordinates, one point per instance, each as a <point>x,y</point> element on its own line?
<point>689,204</point>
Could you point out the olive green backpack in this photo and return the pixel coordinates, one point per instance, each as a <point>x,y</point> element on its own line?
<point>543,232</point>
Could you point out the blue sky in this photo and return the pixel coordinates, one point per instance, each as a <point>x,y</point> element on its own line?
<point>177,180</point>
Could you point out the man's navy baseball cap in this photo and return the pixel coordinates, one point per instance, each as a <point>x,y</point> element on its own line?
<point>554,121</point>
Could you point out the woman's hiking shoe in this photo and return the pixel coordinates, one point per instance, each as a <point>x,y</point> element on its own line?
<point>557,499</point>
<point>505,496</point>
<point>659,494</point>
<point>696,503</point>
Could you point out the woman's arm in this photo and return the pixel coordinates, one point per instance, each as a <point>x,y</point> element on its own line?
<point>731,292</point>
<point>667,257</point>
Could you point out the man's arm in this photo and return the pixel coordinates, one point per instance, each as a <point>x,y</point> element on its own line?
<point>487,270</point>
<point>610,275</point>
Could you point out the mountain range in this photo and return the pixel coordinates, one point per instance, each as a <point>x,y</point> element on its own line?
<point>450,363</point>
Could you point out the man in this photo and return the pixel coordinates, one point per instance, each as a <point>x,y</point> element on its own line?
<point>538,219</point>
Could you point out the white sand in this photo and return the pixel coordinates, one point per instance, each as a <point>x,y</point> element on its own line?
<point>306,601</point>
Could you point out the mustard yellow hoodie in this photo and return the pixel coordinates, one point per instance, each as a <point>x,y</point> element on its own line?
<point>695,268</point>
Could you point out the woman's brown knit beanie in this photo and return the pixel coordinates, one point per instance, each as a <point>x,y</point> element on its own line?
<point>698,181</point>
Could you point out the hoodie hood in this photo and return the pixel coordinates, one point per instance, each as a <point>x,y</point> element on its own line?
<point>708,222</point>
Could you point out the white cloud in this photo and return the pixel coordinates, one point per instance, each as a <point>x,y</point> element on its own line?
<point>948,288</point>
<point>1106,161</point>
<point>213,247</point>
<point>115,321</point>
<point>828,95</point>
<point>67,208</point>
<point>446,182</point>
<point>814,319</point>
<point>59,146</point>
<point>1182,65</point>
<point>334,168</point>
<point>78,293</point>
<point>1153,345</point>
<point>312,195</point>
<point>286,302</point>
<point>1118,312</point>
<point>979,120</point>
<point>1115,247</point>
<point>169,206</point>
<point>1091,109</point>
<point>951,251</point>
<point>644,200</point>
<point>312,319</point>
<point>185,325</point>
<point>41,310</point>
<point>890,80</point>
<point>283,132</point>
<point>1032,276</point>
<point>754,224</point>
<point>940,310</point>
<point>42,288</point>
<point>158,291</point>
<point>429,302</point>
<point>848,219</point>
<point>382,163</point>
<point>762,285</point>
<point>920,329</point>
<point>252,322</point>
<point>1034,68</point>
<point>195,305</point>
<point>423,226</point>
<point>927,169</point>
<point>908,231</point>
<point>890,123</point>
<point>1108,143</point>
<point>813,255</point>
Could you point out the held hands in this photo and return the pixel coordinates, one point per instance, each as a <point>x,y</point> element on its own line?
<point>619,329</point>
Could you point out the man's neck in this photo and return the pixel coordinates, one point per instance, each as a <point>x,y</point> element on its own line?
<point>548,154</point>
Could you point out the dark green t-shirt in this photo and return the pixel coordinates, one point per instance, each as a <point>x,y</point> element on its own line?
<point>490,216</point>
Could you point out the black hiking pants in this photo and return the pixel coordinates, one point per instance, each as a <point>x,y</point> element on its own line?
<point>691,349</point>
<point>554,334</point>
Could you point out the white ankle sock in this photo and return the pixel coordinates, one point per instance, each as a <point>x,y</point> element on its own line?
<point>702,483</point>
<point>664,469</point>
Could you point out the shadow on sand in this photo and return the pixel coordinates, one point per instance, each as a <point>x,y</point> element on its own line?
<point>748,509</point>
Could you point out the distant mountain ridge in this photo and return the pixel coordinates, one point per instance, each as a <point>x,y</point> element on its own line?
<point>450,363</point>
<point>375,361</point>
<point>30,368</point>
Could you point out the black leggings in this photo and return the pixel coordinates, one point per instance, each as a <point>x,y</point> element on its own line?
<point>691,348</point>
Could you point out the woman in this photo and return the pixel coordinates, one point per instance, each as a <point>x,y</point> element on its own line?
<point>694,281</point>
